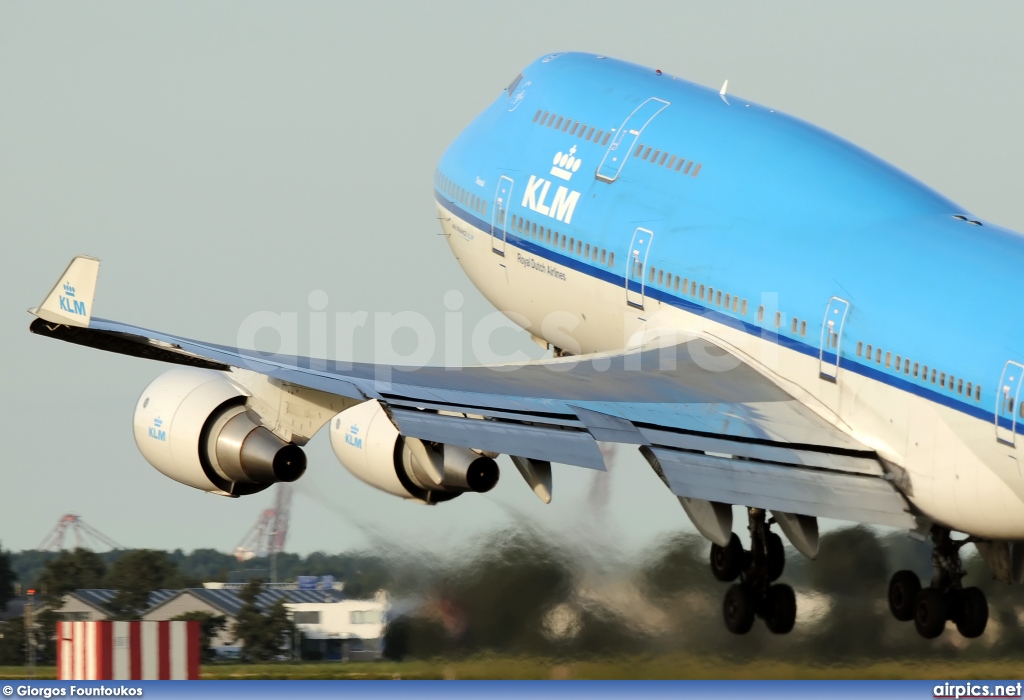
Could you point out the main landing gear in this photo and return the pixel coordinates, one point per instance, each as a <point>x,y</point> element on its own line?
<point>756,594</point>
<point>945,599</point>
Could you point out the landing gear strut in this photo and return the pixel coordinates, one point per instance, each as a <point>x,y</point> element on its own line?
<point>755,595</point>
<point>945,599</point>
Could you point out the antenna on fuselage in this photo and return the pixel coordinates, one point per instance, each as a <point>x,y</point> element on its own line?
<point>725,86</point>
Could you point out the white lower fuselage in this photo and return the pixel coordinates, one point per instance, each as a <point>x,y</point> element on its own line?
<point>957,473</point>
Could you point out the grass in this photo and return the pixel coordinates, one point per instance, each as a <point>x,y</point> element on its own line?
<point>669,666</point>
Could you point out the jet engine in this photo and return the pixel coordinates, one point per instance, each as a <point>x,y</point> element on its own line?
<point>193,426</point>
<point>367,443</point>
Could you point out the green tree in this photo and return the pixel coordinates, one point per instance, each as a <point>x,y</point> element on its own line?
<point>6,579</point>
<point>12,642</point>
<point>263,634</point>
<point>209,626</point>
<point>137,574</point>
<point>70,571</point>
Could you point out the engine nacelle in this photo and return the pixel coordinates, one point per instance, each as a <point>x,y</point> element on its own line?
<point>367,443</point>
<point>193,426</point>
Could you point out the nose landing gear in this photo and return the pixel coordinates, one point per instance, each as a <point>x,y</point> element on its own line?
<point>756,594</point>
<point>945,599</point>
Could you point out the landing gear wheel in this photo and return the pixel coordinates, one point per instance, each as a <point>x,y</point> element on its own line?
<point>775,553</point>
<point>738,609</point>
<point>903,589</point>
<point>780,609</point>
<point>727,561</point>
<point>930,613</point>
<point>972,613</point>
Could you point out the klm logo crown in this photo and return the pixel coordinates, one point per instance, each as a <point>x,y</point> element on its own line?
<point>68,289</point>
<point>565,164</point>
<point>158,422</point>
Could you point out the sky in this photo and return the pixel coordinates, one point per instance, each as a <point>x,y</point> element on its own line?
<point>227,159</point>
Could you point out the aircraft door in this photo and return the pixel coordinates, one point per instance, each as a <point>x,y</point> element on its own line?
<point>499,213</point>
<point>1008,403</point>
<point>832,338</point>
<point>636,264</point>
<point>625,138</point>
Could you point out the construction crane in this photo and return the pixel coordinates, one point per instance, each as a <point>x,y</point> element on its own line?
<point>84,536</point>
<point>268,535</point>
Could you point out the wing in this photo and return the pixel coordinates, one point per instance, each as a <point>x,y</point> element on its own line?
<point>712,426</point>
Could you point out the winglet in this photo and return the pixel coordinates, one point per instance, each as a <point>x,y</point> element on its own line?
<point>69,303</point>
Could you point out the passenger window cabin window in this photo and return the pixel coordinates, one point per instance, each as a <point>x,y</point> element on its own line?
<point>593,253</point>
<point>860,347</point>
<point>572,244</point>
<point>924,373</point>
<point>689,164</point>
<point>969,392</point>
<point>977,392</point>
<point>760,314</point>
<point>647,152</point>
<point>693,289</point>
<point>597,139</point>
<point>680,164</point>
<point>587,249</point>
<point>661,277</point>
<point>702,292</point>
<point>778,319</point>
<point>651,277</point>
<point>794,325</point>
<point>611,259</point>
<point>951,383</point>
<point>655,156</point>
<point>563,241</point>
<point>906,367</point>
<point>888,361</point>
<point>868,353</point>
<point>803,328</point>
<point>639,148</point>
<point>743,309</point>
<point>718,298</point>
<point>676,285</point>
<point>671,162</point>
<point>579,247</point>
<point>559,124</point>
<point>566,127</point>
<point>547,233</point>
<point>959,386</point>
<point>711,294</point>
<point>878,356</point>
<point>572,132</point>
<point>536,116</point>
<point>942,380</point>
<point>916,367</point>
<point>933,376</point>
<point>663,157</point>
<point>551,120</point>
<point>604,256</point>
<point>607,136</point>
<point>727,298</point>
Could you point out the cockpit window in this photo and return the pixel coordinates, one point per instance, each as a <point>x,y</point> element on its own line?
<point>513,85</point>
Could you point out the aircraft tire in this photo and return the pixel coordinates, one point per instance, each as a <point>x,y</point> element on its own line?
<point>727,561</point>
<point>903,589</point>
<point>780,609</point>
<point>972,612</point>
<point>738,609</point>
<point>930,613</point>
<point>775,553</point>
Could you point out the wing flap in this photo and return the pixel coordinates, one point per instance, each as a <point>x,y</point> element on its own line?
<point>798,490</point>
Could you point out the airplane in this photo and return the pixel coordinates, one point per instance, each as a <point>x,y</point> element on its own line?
<point>773,317</point>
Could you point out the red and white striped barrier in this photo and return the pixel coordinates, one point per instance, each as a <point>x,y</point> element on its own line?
<point>122,651</point>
